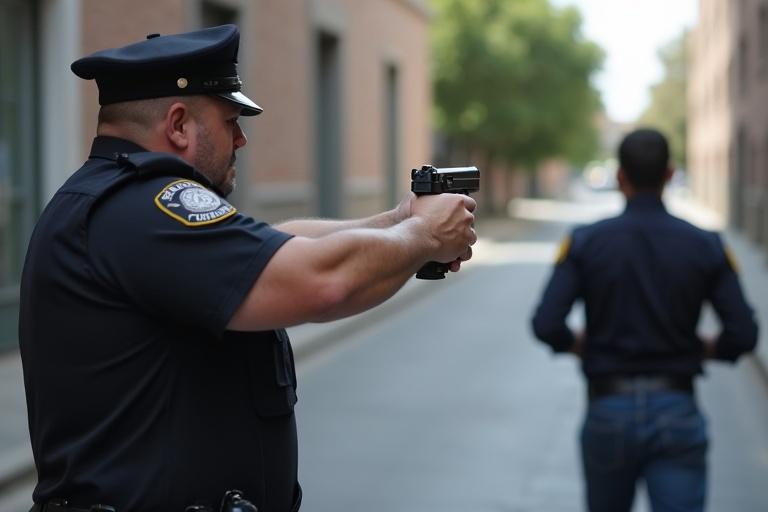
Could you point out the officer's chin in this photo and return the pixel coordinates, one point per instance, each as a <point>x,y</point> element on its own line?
<point>229,184</point>
<point>228,188</point>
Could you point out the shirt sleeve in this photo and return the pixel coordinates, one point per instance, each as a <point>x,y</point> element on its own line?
<point>549,320</point>
<point>739,328</point>
<point>194,273</point>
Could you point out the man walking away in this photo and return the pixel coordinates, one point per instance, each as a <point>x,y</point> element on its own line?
<point>643,277</point>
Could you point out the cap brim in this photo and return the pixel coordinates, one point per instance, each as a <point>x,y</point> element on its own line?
<point>249,108</point>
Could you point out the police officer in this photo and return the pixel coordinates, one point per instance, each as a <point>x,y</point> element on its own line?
<point>157,371</point>
<point>643,277</point>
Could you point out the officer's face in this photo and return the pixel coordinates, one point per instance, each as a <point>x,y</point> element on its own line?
<point>219,136</point>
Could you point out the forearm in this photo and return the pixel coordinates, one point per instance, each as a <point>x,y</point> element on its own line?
<point>327,278</point>
<point>739,327</point>
<point>321,278</point>
<point>734,341</point>
<point>554,332</point>
<point>373,265</point>
<point>316,228</point>
<point>549,320</point>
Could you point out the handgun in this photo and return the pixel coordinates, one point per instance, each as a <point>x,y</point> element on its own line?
<point>447,180</point>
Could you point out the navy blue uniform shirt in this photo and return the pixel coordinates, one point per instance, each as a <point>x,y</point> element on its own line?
<point>138,396</point>
<point>643,277</point>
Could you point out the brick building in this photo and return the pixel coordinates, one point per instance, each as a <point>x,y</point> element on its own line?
<point>728,112</point>
<point>344,85</point>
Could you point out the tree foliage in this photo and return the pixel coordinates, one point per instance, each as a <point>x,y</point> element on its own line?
<point>513,79</point>
<point>668,108</point>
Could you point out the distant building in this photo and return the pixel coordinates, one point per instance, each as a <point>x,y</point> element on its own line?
<point>728,112</point>
<point>344,85</point>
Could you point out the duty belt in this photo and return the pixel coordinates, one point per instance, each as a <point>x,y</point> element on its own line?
<point>63,506</point>
<point>233,501</point>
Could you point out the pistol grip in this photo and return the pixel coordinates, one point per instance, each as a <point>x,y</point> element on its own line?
<point>432,271</point>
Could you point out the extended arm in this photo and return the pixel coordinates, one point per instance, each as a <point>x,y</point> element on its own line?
<point>351,270</point>
<point>316,228</point>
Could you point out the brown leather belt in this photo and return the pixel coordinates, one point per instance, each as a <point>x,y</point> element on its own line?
<point>606,386</point>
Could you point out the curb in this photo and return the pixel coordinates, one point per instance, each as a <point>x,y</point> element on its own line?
<point>760,366</point>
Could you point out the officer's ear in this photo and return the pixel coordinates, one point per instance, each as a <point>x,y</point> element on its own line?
<point>178,125</point>
<point>670,172</point>
<point>621,178</point>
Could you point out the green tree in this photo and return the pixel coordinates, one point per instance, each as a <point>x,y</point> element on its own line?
<point>512,80</point>
<point>668,108</point>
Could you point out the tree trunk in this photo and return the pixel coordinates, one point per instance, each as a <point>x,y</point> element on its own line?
<point>533,182</point>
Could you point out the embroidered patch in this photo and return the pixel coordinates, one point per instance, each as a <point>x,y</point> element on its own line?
<point>731,260</point>
<point>192,204</point>
<point>563,251</point>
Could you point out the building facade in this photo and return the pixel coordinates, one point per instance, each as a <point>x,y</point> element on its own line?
<point>344,85</point>
<point>728,113</point>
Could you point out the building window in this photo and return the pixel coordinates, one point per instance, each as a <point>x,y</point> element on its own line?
<point>392,132</point>
<point>743,65</point>
<point>213,14</point>
<point>762,53</point>
<point>18,181</point>
<point>328,125</point>
<point>739,180</point>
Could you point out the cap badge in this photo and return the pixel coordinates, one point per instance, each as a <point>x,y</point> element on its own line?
<point>182,83</point>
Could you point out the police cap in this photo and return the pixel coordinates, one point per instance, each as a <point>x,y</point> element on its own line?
<point>199,62</point>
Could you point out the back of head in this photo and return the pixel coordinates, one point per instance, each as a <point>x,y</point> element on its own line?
<point>644,157</point>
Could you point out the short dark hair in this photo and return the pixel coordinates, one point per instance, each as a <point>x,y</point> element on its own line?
<point>644,156</point>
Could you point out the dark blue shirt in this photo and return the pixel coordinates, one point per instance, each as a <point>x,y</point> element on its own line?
<point>138,396</point>
<point>643,277</point>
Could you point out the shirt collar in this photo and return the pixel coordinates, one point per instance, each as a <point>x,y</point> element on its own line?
<point>645,201</point>
<point>111,147</point>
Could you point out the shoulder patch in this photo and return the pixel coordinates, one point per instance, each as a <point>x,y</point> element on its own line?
<point>192,204</point>
<point>562,252</point>
<point>731,259</point>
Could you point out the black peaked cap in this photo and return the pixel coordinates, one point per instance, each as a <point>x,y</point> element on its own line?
<point>198,62</point>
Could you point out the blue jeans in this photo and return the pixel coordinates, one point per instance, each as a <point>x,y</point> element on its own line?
<point>656,436</point>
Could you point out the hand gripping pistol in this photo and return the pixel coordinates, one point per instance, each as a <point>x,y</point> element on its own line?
<point>450,180</point>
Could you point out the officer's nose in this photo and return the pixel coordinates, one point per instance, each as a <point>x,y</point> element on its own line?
<point>240,139</point>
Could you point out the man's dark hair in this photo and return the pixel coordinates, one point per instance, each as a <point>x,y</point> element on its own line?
<point>644,156</point>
